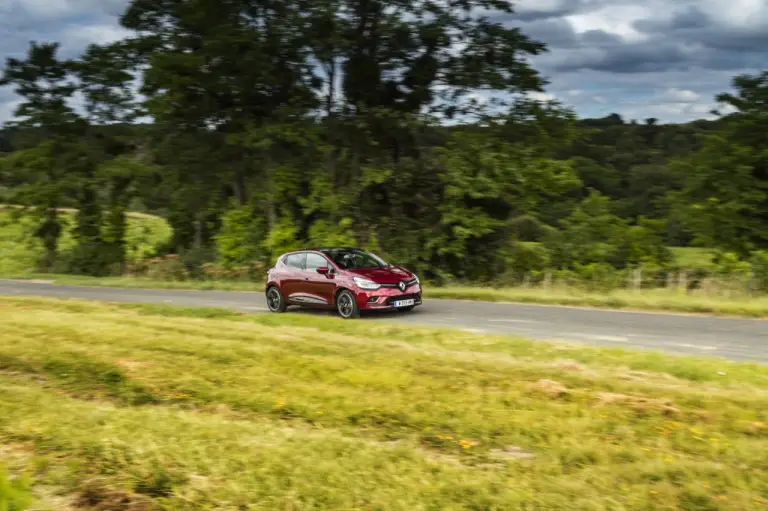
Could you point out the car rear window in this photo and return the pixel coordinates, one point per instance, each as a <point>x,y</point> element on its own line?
<point>296,260</point>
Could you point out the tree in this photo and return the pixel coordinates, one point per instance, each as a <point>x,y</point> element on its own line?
<point>486,184</point>
<point>725,193</point>
<point>105,79</point>
<point>53,155</point>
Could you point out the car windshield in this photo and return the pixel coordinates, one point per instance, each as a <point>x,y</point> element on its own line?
<point>351,259</point>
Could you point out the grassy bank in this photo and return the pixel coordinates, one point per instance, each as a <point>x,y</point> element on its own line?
<point>20,250</point>
<point>143,407</point>
<point>650,300</point>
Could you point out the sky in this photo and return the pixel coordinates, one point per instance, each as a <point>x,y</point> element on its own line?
<point>665,59</point>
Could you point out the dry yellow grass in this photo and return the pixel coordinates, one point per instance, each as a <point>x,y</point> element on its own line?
<point>144,407</point>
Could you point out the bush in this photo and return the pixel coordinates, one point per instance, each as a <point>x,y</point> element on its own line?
<point>169,268</point>
<point>322,233</point>
<point>239,241</point>
<point>253,272</point>
<point>525,260</point>
<point>759,264</point>
<point>283,237</point>
<point>600,276</point>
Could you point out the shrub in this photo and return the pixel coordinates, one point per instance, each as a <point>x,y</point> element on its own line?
<point>283,237</point>
<point>525,259</point>
<point>239,241</point>
<point>168,268</point>
<point>759,265</point>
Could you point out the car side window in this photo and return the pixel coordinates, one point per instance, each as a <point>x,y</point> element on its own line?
<point>296,260</point>
<point>315,261</point>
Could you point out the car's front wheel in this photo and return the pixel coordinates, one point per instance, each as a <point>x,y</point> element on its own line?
<point>346,305</point>
<point>275,300</point>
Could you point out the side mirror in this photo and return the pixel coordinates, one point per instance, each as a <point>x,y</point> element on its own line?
<point>323,270</point>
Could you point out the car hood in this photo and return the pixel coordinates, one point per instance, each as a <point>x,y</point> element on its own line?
<point>383,275</point>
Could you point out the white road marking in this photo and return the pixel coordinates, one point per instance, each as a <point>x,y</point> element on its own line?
<point>608,338</point>
<point>693,346</point>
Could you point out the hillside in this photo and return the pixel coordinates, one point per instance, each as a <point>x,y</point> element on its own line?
<point>19,249</point>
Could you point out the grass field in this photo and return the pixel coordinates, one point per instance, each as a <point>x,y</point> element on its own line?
<point>117,407</point>
<point>19,249</point>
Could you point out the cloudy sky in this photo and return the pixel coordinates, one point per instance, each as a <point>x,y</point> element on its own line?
<point>641,58</point>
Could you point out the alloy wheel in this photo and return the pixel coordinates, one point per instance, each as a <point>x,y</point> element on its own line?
<point>345,305</point>
<point>274,300</point>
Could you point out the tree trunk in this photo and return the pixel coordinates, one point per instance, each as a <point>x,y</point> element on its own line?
<point>241,188</point>
<point>49,232</point>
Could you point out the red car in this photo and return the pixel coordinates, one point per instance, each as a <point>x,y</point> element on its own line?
<point>347,279</point>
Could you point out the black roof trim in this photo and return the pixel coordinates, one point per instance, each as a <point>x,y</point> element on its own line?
<point>325,249</point>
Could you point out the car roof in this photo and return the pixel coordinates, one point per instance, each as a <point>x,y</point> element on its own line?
<point>321,250</point>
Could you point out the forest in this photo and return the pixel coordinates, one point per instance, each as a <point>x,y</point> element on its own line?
<point>254,127</point>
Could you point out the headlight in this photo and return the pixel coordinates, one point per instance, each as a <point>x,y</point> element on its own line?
<point>416,277</point>
<point>366,284</point>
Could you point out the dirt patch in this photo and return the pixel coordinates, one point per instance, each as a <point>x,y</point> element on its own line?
<point>512,452</point>
<point>551,388</point>
<point>570,365</point>
<point>97,497</point>
<point>640,404</point>
<point>132,365</point>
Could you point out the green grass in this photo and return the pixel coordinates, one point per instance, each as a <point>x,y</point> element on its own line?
<point>144,407</point>
<point>648,299</point>
<point>14,492</point>
<point>19,249</point>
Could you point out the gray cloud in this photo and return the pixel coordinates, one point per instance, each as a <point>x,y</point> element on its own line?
<point>649,58</point>
<point>641,58</point>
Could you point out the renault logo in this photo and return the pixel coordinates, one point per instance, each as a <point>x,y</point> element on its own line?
<point>401,285</point>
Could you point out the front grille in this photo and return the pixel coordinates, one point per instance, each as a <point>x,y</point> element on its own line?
<point>390,300</point>
<point>408,284</point>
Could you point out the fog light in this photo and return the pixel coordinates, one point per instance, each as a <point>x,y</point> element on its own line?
<point>373,299</point>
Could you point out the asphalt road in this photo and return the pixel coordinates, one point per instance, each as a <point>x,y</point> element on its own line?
<point>735,339</point>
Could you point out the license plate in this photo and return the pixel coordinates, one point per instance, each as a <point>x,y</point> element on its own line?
<point>405,303</point>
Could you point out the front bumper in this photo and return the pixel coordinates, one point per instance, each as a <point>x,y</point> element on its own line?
<point>384,298</point>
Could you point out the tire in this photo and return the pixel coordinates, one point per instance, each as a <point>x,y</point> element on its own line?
<point>346,305</point>
<point>275,300</point>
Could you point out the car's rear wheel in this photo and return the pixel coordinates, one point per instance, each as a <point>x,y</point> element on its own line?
<point>346,305</point>
<point>275,300</point>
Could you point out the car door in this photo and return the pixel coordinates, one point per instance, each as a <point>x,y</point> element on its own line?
<point>320,288</point>
<point>293,281</point>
